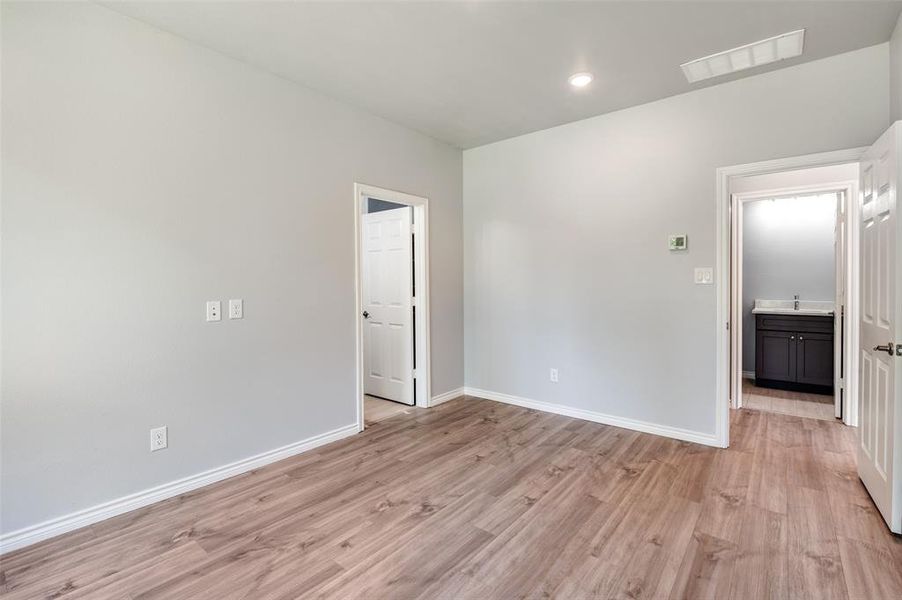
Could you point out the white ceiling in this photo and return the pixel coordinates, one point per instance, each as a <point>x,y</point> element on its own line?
<point>470,73</point>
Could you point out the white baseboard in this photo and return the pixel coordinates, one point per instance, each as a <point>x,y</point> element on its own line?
<point>748,374</point>
<point>54,527</point>
<point>60,525</point>
<point>708,439</point>
<point>436,400</point>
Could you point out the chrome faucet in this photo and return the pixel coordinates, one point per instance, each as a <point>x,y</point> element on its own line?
<point>795,305</point>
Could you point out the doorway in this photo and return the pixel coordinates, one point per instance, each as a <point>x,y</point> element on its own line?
<point>787,175</point>
<point>392,270</point>
<point>791,293</point>
<point>873,315</point>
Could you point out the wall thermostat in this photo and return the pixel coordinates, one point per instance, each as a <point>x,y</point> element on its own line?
<point>679,241</point>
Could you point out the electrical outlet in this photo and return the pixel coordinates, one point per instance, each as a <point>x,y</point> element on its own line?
<point>553,376</point>
<point>159,438</point>
<point>214,310</point>
<point>236,308</point>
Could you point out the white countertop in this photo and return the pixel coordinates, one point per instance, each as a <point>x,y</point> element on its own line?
<point>817,308</point>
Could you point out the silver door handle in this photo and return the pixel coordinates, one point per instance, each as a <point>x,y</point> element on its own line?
<point>888,348</point>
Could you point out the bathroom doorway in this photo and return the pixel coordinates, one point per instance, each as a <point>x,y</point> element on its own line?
<point>792,292</point>
<point>392,272</point>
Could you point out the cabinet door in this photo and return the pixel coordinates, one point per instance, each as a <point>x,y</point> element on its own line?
<point>814,359</point>
<point>775,355</point>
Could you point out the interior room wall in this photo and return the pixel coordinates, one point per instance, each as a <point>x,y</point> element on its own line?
<point>142,176</point>
<point>787,249</point>
<point>895,64</point>
<point>566,261</point>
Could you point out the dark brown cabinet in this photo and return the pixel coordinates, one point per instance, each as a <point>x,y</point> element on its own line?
<point>776,356</point>
<point>794,352</point>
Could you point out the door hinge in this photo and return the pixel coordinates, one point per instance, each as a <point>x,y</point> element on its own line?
<point>413,373</point>
<point>413,301</point>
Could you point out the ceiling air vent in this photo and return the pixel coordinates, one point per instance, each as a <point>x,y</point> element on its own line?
<point>779,47</point>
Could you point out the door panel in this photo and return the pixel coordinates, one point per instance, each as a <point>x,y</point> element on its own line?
<point>881,325</point>
<point>375,367</point>
<point>388,306</point>
<point>866,404</point>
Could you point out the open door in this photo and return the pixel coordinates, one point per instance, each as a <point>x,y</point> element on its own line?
<point>388,336</point>
<point>880,384</point>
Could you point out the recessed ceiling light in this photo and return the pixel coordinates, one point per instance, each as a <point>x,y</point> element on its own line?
<point>779,47</point>
<point>580,79</point>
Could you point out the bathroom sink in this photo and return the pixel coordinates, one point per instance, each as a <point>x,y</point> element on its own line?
<point>787,307</point>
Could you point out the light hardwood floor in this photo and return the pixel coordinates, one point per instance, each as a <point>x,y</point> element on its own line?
<point>475,499</point>
<point>377,409</point>
<point>798,404</point>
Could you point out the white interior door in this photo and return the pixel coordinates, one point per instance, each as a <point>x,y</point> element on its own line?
<point>880,383</point>
<point>388,304</point>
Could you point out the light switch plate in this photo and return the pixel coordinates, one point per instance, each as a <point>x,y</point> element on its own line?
<point>678,242</point>
<point>236,308</point>
<point>704,275</point>
<point>214,310</point>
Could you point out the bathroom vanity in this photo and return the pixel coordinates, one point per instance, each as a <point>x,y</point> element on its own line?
<point>794,347</point>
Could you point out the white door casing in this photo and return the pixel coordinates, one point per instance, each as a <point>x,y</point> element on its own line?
<point>840,362</point>
<point>388,304</point>
<point>722,280</point>
<point>880,380</point>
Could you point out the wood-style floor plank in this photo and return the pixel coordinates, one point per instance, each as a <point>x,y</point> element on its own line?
<point>474,499</point>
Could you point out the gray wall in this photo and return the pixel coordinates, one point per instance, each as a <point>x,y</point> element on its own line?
<point>896,72</point>
<point>787,249</point>
<point>565,236</point>
<point>375,205</point>
<point>142,176</point>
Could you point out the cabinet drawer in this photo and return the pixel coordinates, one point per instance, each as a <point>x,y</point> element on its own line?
<point>800,323</point>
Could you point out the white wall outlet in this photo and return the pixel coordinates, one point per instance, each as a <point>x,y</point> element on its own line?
<point>214,310</point>
<point>553,376</point>
<point>159,438</point>
<point>704,275</point>
<point>236,308</point>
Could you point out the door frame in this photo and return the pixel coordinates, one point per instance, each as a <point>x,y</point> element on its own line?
<point>848,190</point>
<point>422,344</point>
<point>723,270</point>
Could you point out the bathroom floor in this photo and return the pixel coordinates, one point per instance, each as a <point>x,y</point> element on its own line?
<point>797,404</point>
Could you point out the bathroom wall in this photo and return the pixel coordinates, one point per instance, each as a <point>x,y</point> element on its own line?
<point>787,250</point>
<point>375,205</point>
